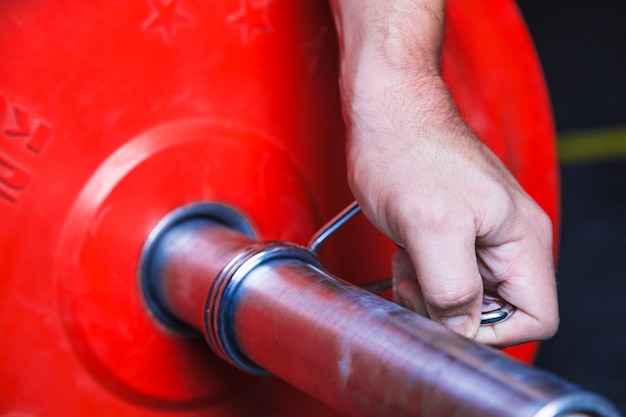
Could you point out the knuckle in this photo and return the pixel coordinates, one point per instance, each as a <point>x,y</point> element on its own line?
<point>539,218</point>
<point>544,224</point>
<point>439,216</point>
<point>451,300</point>
<point>434,220</point>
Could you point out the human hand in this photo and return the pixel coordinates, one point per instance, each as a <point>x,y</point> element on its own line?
<point>423,178</point>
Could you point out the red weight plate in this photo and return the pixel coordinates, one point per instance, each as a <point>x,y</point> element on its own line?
<point>113,113</point>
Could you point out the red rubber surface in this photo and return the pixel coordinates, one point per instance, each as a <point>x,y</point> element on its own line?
<point>114,113</point>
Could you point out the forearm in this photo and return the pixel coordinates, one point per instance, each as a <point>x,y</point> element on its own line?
<point>383,41</point>
<point>389,73</point>
<point>395,103</point>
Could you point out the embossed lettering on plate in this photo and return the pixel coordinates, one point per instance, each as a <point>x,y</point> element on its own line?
<point>17,124</point>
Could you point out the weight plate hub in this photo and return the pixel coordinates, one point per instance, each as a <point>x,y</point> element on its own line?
<point>100,297</point>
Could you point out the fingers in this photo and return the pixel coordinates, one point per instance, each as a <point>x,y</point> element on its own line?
<point>444,257</point>
<point>523,271</point>
<point>445,275</point>
<point>406,289</point>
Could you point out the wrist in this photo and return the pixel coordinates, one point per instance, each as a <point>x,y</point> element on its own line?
<point>401,106</point>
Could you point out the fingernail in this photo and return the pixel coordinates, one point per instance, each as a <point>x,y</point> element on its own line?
<point>457,323</point>
<point>404,302</point>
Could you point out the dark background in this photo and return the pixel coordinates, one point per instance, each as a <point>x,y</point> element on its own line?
<point>582,46</point>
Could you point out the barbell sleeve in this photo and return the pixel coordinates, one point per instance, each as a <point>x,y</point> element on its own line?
<point>271,307</point>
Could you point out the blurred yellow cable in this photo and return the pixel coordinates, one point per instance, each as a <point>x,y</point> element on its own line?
<point>592,145</point>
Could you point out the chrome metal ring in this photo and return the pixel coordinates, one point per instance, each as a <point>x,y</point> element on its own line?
<point>151,257</point>
<point>495,309</point>
<point>222,298</point>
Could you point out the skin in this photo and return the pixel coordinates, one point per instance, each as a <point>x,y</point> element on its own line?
<point>422,177</point>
